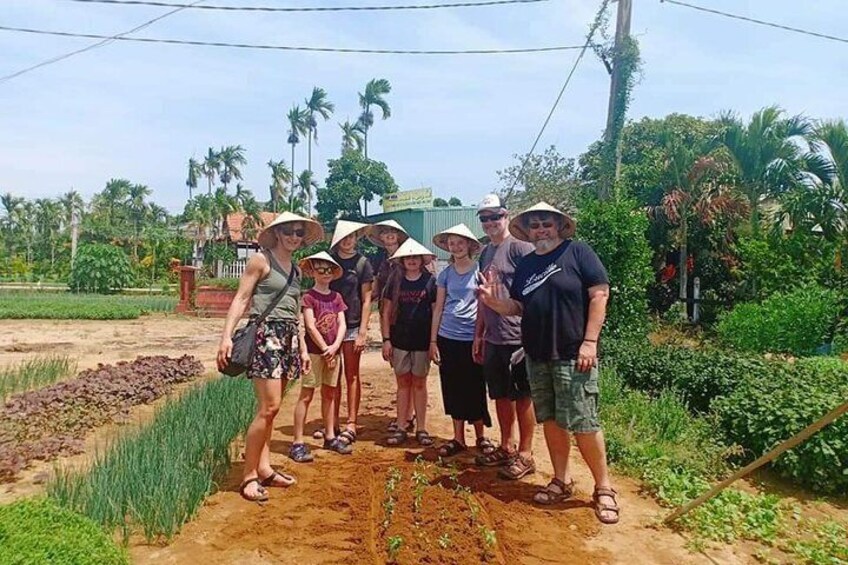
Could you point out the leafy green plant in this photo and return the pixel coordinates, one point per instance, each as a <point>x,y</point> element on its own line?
<point>761,413</point>
<point>100,268</point>
<point>67,306</point>
<point>35,373</point>
<point>155,479</point>
<point>39,531</point>
<point>795,322</point>
<point>220,283</point>
<point>444,541</point>
<point>393,546</point>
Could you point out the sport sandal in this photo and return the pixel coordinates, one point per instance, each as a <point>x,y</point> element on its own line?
<point>397,438</point>
<point>600,508</point>
<point>423,438</point>
<point>555,491</point>
<point>451,448</point>
<point>338,446</point>
<point>520,467</point>
<point>299,453</point>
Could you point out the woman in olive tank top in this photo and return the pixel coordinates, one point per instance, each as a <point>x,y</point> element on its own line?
<point>280,349</point>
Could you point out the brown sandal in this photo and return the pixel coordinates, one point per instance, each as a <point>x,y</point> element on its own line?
<point>496,458</point>
<point>451,448</point>
<point>601,508</point>
<point>555,491</point>
<point>519,468</point>
<point>262,494</point>
<point>277,479</point>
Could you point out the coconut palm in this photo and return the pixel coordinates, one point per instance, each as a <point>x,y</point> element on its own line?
<point>307,187</point>
<point>11,219</point>
<point>252,224</point>
<point>210,168</point>
<point>242,195</point>
<point>112,198</point>
<point>72,204</point>
<point>767,153</point>
<point>280,177</point>
<point>374,94</point>
<point>316,104</point>
<point>224,205</point>
<point>194,172</point>
<point>230,158</point>
<point>138,209</point>
<point>352,138</point>
<point>297,127</point>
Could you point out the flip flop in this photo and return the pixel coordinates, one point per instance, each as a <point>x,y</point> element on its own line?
<point>262,495</point>
<point>287,480</point>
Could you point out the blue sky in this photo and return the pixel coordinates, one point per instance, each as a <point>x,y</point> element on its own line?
<point>140,111</point>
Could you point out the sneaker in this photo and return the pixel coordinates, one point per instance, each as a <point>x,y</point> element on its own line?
<point>338,446</point>
<point>299,453</point>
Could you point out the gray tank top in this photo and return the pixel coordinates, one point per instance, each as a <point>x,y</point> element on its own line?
<point>288,307</point>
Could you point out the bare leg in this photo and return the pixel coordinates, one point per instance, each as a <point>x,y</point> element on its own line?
<point>526,415</point>
<point>594,451</point>
<point>459,431</point>
<point>269,393</point>
<point>404,384</point>
<point>559,447</point>
<point>419,395</point>
<point>505,409</point>
<point>479,430</point>
<point>354,385</point>
<point>338,392</point>
<point>328,403</point>
<point>300,410</point>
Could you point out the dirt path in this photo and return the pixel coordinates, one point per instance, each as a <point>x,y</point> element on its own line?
<point>330,515</point>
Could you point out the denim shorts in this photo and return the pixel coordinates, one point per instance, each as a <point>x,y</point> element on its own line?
<point>563,394</point>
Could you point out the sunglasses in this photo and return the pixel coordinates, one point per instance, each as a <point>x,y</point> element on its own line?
<point>322,270</point>
<point>299,232</point>
<point>547,224</point>
<point>495,218</point>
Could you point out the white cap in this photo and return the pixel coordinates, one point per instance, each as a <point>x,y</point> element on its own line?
<point>490,202</point>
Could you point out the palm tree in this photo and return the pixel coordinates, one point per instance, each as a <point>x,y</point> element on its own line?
<point>48,222</point>
<point>200,213</point>
<point>351,136</point>
<point>27,220</point>
<point>307,184</point>
<point>280,177</point>
<point>251,225</point>
<point>138,209</point>
<point>297,127</point>
<point>242,195</point>
<point>767,153</point>
<point>224,205</point>
<point>194,172</point>
<point>373,96</point>
<point>72,204</point>
<point>11,221</point>
<point>211,167</point>
<point>230,158</point>
<point>113,196</point>
<point>316,104</point>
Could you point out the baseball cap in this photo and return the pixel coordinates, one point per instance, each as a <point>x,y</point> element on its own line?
<point>489,202</point>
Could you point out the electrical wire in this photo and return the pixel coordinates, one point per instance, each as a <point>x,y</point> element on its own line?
<point>106,40</point>
<point>483,3</point>
<point>756,21</point>
<point>296,48</point>
<point>583,49</point>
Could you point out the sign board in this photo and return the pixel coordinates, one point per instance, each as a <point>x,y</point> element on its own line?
<point>418,198</point>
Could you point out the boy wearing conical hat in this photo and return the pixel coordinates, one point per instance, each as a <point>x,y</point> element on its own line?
<point>323,316</point>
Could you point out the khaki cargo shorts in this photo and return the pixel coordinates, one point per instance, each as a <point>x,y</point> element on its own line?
<point>562,394</point>
<point>415,362</point>
<point>321,373</point>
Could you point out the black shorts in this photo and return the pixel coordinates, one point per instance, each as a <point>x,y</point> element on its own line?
<point>502,380</point>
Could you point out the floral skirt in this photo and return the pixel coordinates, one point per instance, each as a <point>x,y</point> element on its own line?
<point>277,354</point>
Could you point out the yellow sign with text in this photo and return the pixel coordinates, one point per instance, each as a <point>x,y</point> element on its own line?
<point>418,198</point>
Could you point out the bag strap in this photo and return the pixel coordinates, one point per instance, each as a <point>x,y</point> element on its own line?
<point>277,297</point>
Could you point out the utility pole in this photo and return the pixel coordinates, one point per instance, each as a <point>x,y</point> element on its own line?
<point>622,31</point>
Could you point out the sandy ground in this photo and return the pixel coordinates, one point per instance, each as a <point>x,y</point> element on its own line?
<point>330,515</point>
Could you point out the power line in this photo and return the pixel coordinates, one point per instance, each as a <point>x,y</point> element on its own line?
<point>479,4</point>
<point>298,48</point>
<point>758,22</point>
<point>585,46</point>
<point>105,41</point>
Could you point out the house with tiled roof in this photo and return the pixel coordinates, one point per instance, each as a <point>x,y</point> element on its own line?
<point>241,232</point>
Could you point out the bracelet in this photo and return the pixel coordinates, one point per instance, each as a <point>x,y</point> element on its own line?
<point>591,340</point>
<point>385,339</point>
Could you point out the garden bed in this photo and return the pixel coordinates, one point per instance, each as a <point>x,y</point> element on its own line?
<point>69,306</point>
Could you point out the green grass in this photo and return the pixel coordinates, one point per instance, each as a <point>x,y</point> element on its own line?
<point>69,306</point>
<point>154,480</point>
<point>35,373</point>
<point>38,531</point>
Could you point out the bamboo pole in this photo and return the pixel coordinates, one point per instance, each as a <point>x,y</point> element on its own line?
<point>798,438</point>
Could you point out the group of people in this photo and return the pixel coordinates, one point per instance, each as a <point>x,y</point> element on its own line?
<point>519,317</point>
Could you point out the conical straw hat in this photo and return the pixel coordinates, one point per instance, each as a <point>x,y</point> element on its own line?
<point>344,228</point>
<point>314,230</point>
<point>516,225</point>
<point>440,240</point>
<point>411,248</point>
<point>305,264</point>
<point>378,229</point>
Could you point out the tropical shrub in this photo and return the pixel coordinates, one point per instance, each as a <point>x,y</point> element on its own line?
<point>795,322</point>
<point>101,268</point>
<point>763,412</point>
<point>616,231</point>
<point>39,531</point>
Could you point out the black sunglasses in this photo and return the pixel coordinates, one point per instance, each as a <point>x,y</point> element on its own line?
<point>495,218</point>
<point>323,270</point>
<point>299,232</point>
<point>547,224</point>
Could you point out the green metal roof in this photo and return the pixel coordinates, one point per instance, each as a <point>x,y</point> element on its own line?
<point>423,223</point>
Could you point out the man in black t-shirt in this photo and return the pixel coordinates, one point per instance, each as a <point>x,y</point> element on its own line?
<point>561,292</point>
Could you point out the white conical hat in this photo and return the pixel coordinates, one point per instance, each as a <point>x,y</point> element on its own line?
<point>440,240</point>
<point>305,264</point>
<point>411,248</point>
<point>314,230</point>
<point>344,228</point>
<point>516,225</point>
<point>378,229</point>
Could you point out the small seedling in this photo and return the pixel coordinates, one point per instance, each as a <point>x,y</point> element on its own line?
<point>393,546</point>
<point>444,541</point>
